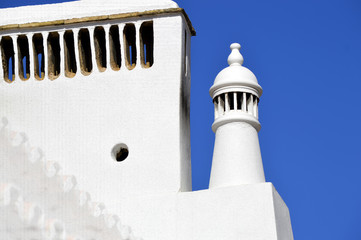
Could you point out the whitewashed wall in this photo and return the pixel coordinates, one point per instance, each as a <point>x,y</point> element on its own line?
<point>77,121</point>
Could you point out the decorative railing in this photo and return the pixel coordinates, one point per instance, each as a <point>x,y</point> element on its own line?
<point>72,51</point>
<point>235,102</point>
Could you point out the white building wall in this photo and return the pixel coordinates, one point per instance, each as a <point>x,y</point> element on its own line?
<point>250,211</point>
<point>185,109</point>
<point>77,121</point>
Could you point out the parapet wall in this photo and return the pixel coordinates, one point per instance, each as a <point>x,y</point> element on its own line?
<point>70,47</point>
<point>87,96</point>
<point>72,51</point>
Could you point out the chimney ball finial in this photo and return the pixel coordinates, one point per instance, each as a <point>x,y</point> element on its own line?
<point>235,58</point>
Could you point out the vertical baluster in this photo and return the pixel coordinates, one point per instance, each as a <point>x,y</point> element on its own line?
<point>235,101</point>
<point>16,57</point>
<point>46,54</point>
<point>250,104</point>
<point>256,108</point>
<point>107,46</point>
<point>76,49</point>
<point>62,53</point>
<point>92,47</point>
<point>137,43</point>
<point>122,49</point>
<point>31,55</point>
<point>244,102</point>
<point>220,106</point>
<point>227,106</point>
<point>215,110</point>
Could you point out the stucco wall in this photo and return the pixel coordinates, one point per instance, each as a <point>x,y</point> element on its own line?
<point>77,121</point>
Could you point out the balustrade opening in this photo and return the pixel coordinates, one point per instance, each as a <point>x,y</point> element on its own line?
<point>100,48</point>
<point>236,101</point>
<point>114,44</point>
<point>231,100</point>
<point>7,51</point>
<point>249,103</point>
<point>85,54</point>
<point>239,100</point>
<point>130,46</point>
<point>38,49</point>
<point>147,44</point>
<point>23,57</point>
<point>53,55</point>
<point>48,58</point>
<point>69,54</point>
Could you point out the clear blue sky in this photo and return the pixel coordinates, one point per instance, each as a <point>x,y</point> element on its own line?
<point>307,57</point>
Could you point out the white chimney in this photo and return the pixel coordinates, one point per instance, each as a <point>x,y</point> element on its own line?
<point>237,155</point>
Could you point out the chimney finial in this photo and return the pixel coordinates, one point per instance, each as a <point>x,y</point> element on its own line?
<point>235,58</point>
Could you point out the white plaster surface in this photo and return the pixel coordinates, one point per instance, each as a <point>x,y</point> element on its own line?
<point>237,156</point>
<point>252,212</point>
<point>282,218</point>
<point>38,202</point>
<point>77,121</point>
<point>77,9</point>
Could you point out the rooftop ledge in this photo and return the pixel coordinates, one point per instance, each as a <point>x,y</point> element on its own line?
<point>100,18</point>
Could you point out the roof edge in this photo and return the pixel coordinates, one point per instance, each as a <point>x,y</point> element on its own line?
<point>102,18</point>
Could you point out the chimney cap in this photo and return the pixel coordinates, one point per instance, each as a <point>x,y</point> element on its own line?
<point>235,77</point>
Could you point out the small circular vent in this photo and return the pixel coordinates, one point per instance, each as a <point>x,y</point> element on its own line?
<point>120,152</point>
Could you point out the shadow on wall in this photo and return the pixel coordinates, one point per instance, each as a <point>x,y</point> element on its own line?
<point>18,3</point>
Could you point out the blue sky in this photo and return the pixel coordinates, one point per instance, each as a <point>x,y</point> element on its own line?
<point>307,57</point>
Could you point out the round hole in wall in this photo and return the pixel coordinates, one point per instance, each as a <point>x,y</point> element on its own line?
<point>120,152</point>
